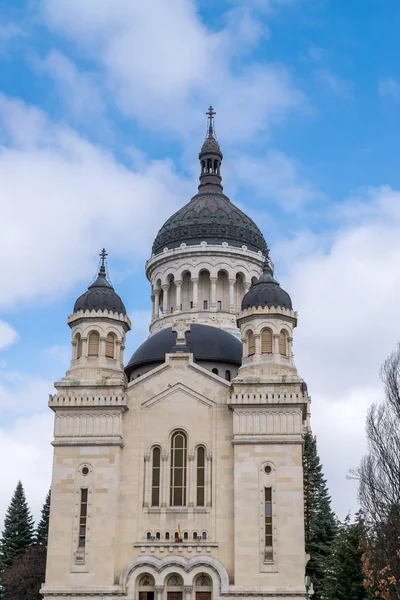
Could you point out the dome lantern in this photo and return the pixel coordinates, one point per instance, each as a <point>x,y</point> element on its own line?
<point>210,157</point>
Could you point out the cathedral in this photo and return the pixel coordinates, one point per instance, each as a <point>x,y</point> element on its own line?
<point>177,474</point>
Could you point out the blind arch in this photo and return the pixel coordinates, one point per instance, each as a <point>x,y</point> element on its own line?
<point>266,341</point>
<point>251,343</point>
<point>94,343</point>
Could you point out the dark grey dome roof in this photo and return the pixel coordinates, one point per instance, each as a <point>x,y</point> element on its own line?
<point>100,295</point>
<point>211,217</point>
<point>266,292</point>
<point>205,342</point>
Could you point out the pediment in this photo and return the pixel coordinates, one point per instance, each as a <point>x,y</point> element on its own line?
<point>176,390</point>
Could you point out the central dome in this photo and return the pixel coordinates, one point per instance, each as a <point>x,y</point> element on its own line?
<point>210,216</point>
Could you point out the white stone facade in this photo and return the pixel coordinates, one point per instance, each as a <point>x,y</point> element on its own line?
<point>182,483</point>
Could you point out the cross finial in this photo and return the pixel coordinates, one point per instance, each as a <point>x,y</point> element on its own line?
<point>181,329</point>
<point>210,114</point>
<point>103,255</point>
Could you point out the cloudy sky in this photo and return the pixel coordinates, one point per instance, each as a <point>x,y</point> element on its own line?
<point>101,118</point>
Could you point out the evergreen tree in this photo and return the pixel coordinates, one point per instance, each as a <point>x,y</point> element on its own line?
<point>320,520</point>
<point>43,525</point>
<point>343,568</point>
<point>18,529</point>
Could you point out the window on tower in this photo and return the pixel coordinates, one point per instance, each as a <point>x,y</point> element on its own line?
<point>201,480</point>
<point>83,518</point>
<point>78,340</point>
<point>178,470</point>
<point>251,343</point>
<point>266,341</point>
<point>268,523</point>
<point>155,477</point>
<point>283,343</point>
<point>94,342</point>
<point>110,346</point>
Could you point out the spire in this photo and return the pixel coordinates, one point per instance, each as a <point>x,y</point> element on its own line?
<point>210,159</point>
<point>102,280</point>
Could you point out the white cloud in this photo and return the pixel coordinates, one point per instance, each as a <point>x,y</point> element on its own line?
<point>21,393</point>
<point>164,66</point>
<point>341,87</point>
<point>78,91</point>
<point>389,88</point>
<point>346,289</point>
<point>61,353</point>
<point>8,335</point>
<point>8,32</point>
<point>27,443</point>
<point>63,198</point>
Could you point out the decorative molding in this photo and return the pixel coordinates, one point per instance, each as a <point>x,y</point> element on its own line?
<point>99,314</point>
<point>57,401</point>
<point>67,425</point>
<point>268,310</point>
<point>244,398</point>
<point>267,422</point>
<point>79,442</point>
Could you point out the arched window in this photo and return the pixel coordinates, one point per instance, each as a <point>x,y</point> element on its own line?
<point>251,343</point>
<point>283,343</point>
<point>110,346</point>
<point>227,375</point>
<point>174,580</point>
<point>195,535</point>
<point>94,342</point>
<point>200,483</point>
<point>155,477</point>
<point>167,535</point>
<point>178,469</point>
<point>185,535</point>
<point>266,341</point>
<point>146,580</point>
<point>148,536</point>
<point>204,535</point>
<point>78,340</point>
<point>158,535</point>
<point>203,580</point>
<point>215,371</point>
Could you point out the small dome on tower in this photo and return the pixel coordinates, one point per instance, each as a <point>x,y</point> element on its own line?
<point>266,292</point>
<point>100,294</point>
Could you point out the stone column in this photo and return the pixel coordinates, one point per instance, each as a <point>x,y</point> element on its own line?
<point>247,286</point>
<point>290,347</point>
<point>74,349</point>
<point>119,351</point>
<point>102,346</point>
<point>156,310</point>
<point>257,340</point>
<point>152,298</point>
<point>164,479</point>
<point>191,480</point>
<point>84,347</point>
<point>178,284</point>
<point>147,479</point>
<point>275,348</point>
<point>232,295</point>
<point>165,288</point>
<point>159,592</point>
<point>213,304</point>
<point>195,281</point>
<point>208,490</point>
<point>188,592</point>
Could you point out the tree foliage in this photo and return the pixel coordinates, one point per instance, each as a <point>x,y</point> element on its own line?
<point>320,521</point>
<point>379,487</point>
<point>23,580</point>
<point>18,528</point>
<point>343,567</point>
<point>43,525</point>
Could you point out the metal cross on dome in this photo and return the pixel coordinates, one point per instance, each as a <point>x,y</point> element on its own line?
<point>210,113</point>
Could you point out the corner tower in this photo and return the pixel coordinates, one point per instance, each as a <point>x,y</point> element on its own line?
<point>206,256</point>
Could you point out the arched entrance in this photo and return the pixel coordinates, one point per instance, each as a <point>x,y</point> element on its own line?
<point>174,586</point>
<point>203,587</point>
<point>146,585</point>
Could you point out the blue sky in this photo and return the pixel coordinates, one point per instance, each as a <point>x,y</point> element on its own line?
<point>101,119</point>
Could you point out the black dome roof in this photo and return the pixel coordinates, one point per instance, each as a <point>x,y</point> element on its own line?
<point>210,216</point>
<point>205,342</point>
<point>266,292</point>
<point>100,295</point>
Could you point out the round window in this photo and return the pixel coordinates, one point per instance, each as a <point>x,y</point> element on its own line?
<point>267,469</point>
<point>85,471</point>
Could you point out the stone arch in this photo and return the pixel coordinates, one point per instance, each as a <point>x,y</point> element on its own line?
<point>187,568</point>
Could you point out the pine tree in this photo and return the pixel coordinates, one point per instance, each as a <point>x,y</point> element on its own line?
<point>18,528</point>
<point>320,520</point>
<point>343,568</point>
<point>43,525</point>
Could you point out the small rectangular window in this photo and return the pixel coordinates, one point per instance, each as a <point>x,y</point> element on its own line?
<point>219,305</point>
<point>191,304</point>
<point>205,304</point>
<point>172,309</point>
<point>268,523</point>
<point>83,518</point>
